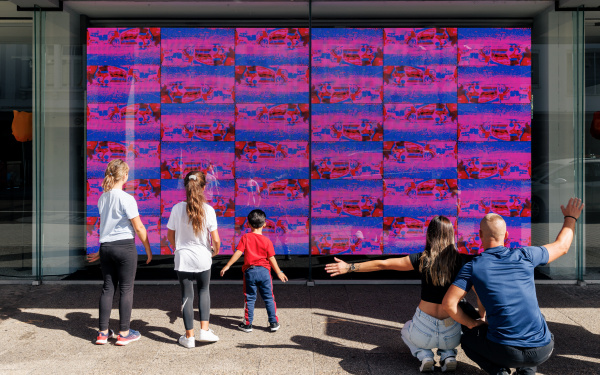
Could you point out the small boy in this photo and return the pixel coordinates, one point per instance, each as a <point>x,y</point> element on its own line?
<point>259,257</point>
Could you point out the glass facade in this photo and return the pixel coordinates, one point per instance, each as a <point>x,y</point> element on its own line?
<point>16,100</point>
<point>45,236</point>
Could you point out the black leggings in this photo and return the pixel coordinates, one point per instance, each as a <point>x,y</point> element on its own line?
<point>118,261</point>
<point>491,356</point>
<point>186,280</point>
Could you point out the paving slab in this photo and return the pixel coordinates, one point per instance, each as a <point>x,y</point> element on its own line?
<point>327,329</point>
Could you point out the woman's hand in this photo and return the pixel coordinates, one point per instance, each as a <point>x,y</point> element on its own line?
<point>338,268</point>
<point>149,255</point>
<point>91,258</point>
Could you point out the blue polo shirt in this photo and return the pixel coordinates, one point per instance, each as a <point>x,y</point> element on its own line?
<point>503,280</point>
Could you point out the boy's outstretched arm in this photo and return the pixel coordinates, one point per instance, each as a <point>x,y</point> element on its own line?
<point>275,267</point>
<point>232,260</point>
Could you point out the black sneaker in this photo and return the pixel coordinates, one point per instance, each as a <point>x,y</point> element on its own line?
<point>274,326</point>
<point>245,327</point>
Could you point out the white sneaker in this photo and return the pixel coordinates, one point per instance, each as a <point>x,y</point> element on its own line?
<point>187,342</point>
<point>449,364</point>
<point>208,336</point>
<point>427,364</point>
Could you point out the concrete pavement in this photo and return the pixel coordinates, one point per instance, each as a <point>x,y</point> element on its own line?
<point>327,329</point>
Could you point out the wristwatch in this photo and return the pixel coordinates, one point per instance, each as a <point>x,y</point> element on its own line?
<point>352,267</point>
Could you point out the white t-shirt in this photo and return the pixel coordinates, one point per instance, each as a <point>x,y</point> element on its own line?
<point>116,208</point>
<point>192,253</point>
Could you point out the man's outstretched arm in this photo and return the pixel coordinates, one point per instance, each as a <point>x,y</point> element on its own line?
<point>563,241</point>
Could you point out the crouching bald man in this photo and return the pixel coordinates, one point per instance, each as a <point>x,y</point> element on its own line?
<point>511,331</point>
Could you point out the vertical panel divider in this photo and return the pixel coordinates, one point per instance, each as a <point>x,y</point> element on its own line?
<point>310,279</point>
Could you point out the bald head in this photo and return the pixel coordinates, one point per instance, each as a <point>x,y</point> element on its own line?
<point>493,227</point>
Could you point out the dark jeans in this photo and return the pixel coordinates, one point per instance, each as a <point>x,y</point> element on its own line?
<point>492,357</point>
<point>259,278</point>
<point>186,280</point>
<point>118,261</point>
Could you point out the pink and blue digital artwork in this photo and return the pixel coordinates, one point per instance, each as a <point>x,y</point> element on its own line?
<point>277,197</point>
<point>416,197</point>
<point>346,160</point>
<point>344,198</point>
<point>350,139</point>
<point>507,198</point>
<point>197,122</point>
<point>420,122</point>
<point>469,242</point>
<point>347,236</point>
<point>409,46</point>
<point>494,160</point>
<point>429,159</point>
<point>289,234</point>
<point>494,122</point>
<point>276,122</point>
<point>406,234</point>
<point>347,122</point>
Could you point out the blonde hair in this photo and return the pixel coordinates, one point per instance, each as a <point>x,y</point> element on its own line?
<point>194,183</point>
<point>116,171</point>
<point>440,256</point>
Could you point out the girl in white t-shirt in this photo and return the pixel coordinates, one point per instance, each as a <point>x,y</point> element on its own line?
<point>192,227</point>
<point>119,222</point>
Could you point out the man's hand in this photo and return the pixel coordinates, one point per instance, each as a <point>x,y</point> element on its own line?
<point>338,268</point>
<point>573,209</point>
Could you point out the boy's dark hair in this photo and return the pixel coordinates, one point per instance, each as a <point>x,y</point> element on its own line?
<point>257,218</point>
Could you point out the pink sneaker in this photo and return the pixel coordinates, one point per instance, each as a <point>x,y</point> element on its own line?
<point>103,337</point>
<point>132,336</point>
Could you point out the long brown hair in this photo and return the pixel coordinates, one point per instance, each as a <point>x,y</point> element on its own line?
<point>440,256</point>
<point>194,183</point>
<point>115,172</point>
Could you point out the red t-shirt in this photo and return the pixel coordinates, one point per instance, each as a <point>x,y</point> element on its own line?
<point>257,250</point>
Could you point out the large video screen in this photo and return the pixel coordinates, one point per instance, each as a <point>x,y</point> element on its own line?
<point>350,148</point>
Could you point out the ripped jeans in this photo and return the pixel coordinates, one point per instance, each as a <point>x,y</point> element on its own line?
<point>424,332</point>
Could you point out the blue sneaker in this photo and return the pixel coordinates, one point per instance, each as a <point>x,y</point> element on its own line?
<point>132,336</point>
<point>103,337</point>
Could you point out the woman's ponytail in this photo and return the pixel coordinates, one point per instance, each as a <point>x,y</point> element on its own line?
<point>116,170</point>
<point>194,183</point>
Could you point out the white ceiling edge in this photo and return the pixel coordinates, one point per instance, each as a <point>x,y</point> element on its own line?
<point>228,9</point>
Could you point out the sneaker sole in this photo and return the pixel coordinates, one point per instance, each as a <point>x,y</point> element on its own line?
<point>200,340</point>
<point>450,366</point>
<point>274,329</point>
<point>185,346</point>
<point>105,341</point>
<point>123,343</point>
<point>244,329</point>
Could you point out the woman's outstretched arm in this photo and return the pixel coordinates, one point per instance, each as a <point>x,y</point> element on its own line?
<point>396,264</point>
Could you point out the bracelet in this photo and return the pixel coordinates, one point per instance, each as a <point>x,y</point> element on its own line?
<point>572,217</point>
